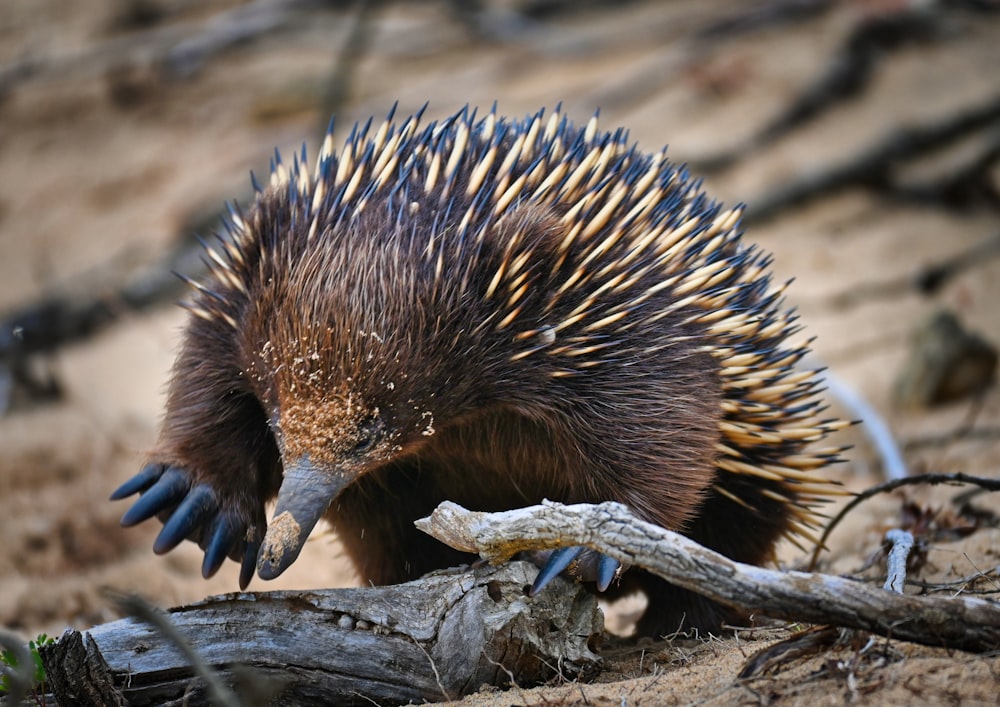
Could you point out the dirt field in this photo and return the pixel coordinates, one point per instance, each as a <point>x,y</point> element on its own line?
<point>115,138</point>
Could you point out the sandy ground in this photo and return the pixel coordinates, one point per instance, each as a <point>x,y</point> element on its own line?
<point>102,167</point>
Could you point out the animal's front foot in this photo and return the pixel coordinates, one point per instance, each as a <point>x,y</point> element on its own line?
<point>193,511</point>
<point>581,563</point>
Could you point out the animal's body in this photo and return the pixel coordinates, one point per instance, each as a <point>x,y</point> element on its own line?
<point>491,312</point>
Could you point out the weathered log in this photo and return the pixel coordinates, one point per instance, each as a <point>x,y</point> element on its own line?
<point>82,676</point>
<point>436,638</point>
<point>966,623</point>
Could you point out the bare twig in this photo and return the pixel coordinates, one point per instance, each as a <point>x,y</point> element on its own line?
<point>956,478</point>
<point>958,622</point>
<point>963,583</point>
<point>437,675</point>
<point>902,543</point>
<point>802,644</point>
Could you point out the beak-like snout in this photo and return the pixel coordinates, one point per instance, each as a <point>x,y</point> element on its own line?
<point>305,494</point>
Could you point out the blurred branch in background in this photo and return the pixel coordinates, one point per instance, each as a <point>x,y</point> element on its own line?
<point>875,166</point>
<point>848,72</point>
<point>177,50</point>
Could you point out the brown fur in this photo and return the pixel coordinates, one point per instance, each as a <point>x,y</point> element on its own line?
<point>378,320</point>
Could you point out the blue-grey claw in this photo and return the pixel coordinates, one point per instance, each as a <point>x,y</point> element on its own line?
<point>189,515</point>
<point>558,561</point>
<point>222,536</point>
<point>168,490</point>
<point>191,511</point>
<point>249,564</point>
<point>140,482</point>
<point>607,570</point>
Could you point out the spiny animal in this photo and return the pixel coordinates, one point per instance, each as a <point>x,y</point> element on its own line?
<point>493,312</point>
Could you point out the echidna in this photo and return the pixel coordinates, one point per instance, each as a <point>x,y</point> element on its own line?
<point>493,312</point>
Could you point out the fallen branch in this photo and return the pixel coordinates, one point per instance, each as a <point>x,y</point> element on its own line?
<point>848,74</point>
<point>957,622</point>
<point>764,16</point>
<point>873,167</point>
<point>178,50</point>
<point>436,638</point>
<point>76,312</point>
<point>928,280</point>
<point>963,186</point>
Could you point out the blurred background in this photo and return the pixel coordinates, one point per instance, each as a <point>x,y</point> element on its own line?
<point>863,135</point>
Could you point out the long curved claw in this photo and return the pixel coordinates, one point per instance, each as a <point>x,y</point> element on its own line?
<point>189,515</point>
<point>558,561</point>
<point>607,570</point>
<point>140,482</point>
<point>222,537</point>
<point>596,567</point>
<point>165,493</point>
<point>249,565</point>
<point>589,566</point>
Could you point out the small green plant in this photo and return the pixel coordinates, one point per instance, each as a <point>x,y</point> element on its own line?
<point>8,658</point>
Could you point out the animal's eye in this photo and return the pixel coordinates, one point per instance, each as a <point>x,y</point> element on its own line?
<point>369,432</point>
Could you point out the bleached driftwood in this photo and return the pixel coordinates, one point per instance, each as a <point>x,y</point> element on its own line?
<point>436,638</point>
<point>966,623</point>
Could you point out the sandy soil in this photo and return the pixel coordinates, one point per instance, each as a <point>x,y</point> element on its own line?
<point>101,167</point>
